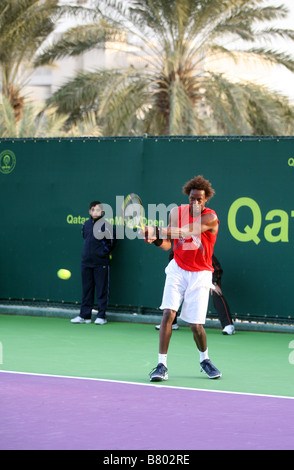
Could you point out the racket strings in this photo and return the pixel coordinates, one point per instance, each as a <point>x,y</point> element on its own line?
<point>133,212</point>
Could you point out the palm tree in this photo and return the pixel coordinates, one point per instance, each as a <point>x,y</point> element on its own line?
<point>31,123</point>
<point>24,26</point>
<point>171,87</point>
<point>34,122</point>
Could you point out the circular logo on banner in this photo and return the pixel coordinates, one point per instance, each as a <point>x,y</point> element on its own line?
<point>7,161</point>
<point>291,162</point>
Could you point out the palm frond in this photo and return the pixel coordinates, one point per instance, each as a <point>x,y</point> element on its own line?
<point>177,93</point>
<point>24,26</point>
<point>273,57</point>
<point>77,40</point>
<point>32,123</point>
<point>246,107</point>
<point>7,119</point>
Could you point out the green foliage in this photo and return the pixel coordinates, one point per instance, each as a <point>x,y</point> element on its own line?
<point>171,87</point>
<point>175,91</point>
<point>37,123</point>
<point>24,26</point>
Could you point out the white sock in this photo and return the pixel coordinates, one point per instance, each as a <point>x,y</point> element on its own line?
<point>203,355</point>
<point>162,359</point>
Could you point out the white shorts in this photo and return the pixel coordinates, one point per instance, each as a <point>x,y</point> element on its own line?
<point>191,288</point>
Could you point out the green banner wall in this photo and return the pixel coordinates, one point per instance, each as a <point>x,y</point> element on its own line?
<point>46,187</point>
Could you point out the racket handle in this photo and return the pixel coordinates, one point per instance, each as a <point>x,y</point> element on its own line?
<point>158,240</point>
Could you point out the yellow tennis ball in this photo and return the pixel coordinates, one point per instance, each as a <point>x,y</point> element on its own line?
<point>63,274</point>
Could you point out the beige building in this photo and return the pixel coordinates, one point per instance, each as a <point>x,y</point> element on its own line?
<point>47,80</point>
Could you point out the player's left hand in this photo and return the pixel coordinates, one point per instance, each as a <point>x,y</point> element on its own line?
<point>149,234</point>
<point>218,290</point>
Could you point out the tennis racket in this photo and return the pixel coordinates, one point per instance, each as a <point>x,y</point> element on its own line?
<point>133,212</point>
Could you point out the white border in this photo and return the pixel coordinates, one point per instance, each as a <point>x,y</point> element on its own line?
<point>146,385</point>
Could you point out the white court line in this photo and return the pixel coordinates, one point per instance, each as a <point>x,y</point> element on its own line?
<point>146,385</point>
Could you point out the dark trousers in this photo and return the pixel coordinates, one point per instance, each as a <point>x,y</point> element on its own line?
<point>94,279</point>
<point>222,308</point>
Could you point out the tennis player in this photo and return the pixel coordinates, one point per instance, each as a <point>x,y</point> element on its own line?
<point>192,231</point>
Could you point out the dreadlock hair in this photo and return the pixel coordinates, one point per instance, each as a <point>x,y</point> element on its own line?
<point>198,182</point>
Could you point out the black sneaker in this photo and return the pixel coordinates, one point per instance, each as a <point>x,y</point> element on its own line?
<point>209,369</point>
<point>159,373</point>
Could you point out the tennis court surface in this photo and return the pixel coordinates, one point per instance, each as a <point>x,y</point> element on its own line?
<point>86,387</point>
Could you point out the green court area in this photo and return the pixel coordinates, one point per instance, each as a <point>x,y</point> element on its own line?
<point>251,361</point>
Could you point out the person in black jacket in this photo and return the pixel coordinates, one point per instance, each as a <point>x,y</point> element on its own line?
<point>220,304</point>
<point>95,265</point>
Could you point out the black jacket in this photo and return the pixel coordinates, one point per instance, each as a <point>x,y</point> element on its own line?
<point>96,252</point>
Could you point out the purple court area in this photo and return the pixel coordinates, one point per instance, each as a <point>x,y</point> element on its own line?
<point>58,413</point>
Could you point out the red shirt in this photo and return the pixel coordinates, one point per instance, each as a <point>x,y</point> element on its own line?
<point>194,253</point>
